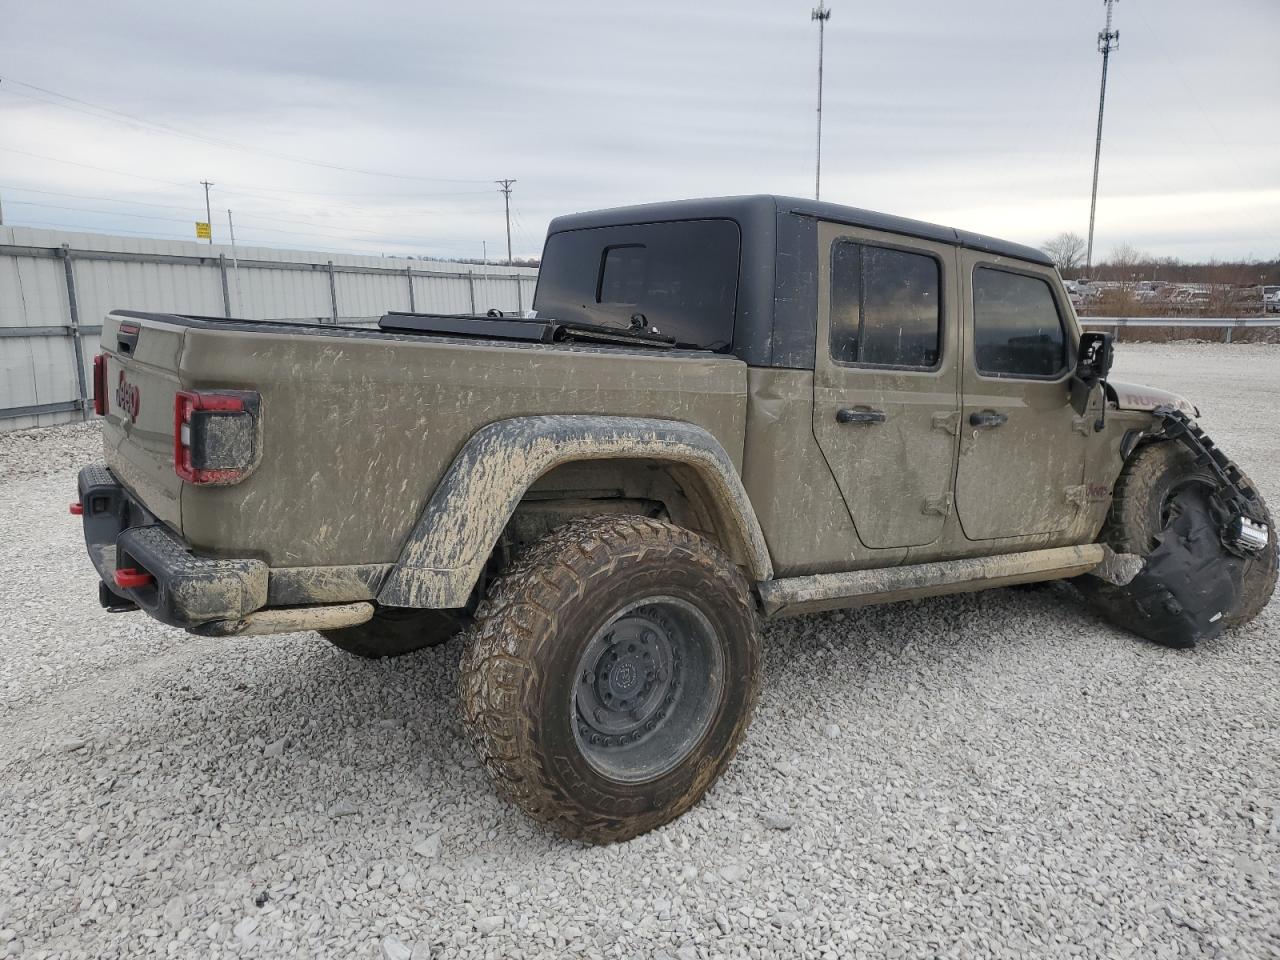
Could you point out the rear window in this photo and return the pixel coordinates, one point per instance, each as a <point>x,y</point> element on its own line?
<point>885,307</point>
<point>681,277</point>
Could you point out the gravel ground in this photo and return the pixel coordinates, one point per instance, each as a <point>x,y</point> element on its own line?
<point>988,775</point>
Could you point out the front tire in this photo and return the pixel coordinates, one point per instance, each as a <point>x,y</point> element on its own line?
<point>611,675</point>
<point>1150,487</point>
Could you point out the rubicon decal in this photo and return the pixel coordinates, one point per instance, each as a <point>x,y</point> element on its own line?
<point>128,397</point>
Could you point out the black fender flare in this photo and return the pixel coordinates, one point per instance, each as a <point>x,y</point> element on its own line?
<point>445,554</point>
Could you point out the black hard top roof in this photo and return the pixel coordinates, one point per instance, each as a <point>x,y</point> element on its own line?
<point>750,207</point>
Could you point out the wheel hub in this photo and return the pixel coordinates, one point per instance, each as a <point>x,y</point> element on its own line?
<point>649,684</point>
<point>629,676</point>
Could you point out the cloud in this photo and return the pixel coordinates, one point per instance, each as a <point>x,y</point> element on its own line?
<point>978,116</point>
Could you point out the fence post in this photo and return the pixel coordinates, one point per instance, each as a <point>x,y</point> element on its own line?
<point>82,391</point>
<point>408,275</point>
<point>333,294</point>
<point>519,294</point>
<point>1228,329</point>
<point>471,289</point>
<point>226,291</point>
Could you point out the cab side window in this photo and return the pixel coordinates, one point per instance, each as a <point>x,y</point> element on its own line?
<point>885,310</point>
<point>1017,330</point>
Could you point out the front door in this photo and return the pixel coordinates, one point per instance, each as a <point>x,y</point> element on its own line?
<point>1022,448</point>
<point>885,387</point>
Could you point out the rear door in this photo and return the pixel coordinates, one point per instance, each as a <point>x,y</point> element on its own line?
<point>1022,450</point>
<point>885,387</point>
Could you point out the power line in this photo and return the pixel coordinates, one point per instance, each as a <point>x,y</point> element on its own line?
<point>90,166</point>
<point>381,194</point>
<point>107,213</point>
<point>187,208</point>
<point>120,116</point>
<point>269,193</point>
<point>451,243</point>
<point>1108,40</point>
<point>82,196</point>
<point>251,224</point>
<point>523,232</point>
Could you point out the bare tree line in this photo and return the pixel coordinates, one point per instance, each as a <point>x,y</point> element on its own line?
<point>1127,263</point>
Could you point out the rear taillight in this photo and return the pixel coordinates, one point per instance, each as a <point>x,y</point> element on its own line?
<point>215,435</point>
<point>100,384</point>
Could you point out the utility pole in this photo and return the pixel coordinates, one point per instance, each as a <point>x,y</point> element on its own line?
<point>235,264</point>
<point>1108,40</point>
<point>505,189</point>
<point>208,215</point>
<point>822,15</point>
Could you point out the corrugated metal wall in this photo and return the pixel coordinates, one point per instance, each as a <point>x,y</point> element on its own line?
<point>41,271</point>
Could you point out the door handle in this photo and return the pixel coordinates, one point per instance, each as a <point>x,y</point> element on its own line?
<point>848,415</point>
<point>988,419</point>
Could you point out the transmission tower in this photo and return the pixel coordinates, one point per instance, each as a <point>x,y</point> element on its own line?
<point>822,15</point>
<point>504,188</point>
<point>1108,40</point>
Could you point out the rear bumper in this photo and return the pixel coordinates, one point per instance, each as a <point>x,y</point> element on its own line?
<point>183,589</point>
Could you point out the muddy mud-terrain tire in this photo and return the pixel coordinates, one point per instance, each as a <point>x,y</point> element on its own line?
<point>1153,478</point>
<point>395,631</point>
<point>611,674</point>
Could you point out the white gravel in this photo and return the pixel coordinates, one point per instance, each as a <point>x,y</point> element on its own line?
<point>988,775</point>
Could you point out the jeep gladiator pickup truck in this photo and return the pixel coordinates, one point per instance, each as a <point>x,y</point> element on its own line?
<point>719,411</point>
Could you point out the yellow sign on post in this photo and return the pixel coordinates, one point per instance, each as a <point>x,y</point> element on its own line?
<point>202,230</point>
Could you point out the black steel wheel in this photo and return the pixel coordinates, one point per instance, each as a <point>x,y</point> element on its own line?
<point>648,685</point>
<point>611,674</point>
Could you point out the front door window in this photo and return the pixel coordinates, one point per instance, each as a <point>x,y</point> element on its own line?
<point>1016,327</point>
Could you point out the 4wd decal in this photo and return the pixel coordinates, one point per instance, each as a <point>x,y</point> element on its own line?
<point>128,397</point>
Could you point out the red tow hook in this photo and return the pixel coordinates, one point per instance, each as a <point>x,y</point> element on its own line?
<point>77,509</point>
<point>129,578</point>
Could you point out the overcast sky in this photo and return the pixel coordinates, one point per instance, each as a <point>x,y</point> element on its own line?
<point>977,115</point>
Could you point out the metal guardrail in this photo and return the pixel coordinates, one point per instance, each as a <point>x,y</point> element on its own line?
<point>1181,321</point>
<point>1226,324</point>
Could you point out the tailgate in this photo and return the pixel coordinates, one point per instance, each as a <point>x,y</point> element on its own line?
<point>141,379</point>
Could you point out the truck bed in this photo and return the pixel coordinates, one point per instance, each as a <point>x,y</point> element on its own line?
<point>358,425</point>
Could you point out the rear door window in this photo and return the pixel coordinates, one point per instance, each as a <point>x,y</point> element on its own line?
<point>885,307</point>
<point>680,277</point>
<point>1017,330</point>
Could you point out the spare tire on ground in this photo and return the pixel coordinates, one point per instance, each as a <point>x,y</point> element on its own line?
<point>1191,587</point>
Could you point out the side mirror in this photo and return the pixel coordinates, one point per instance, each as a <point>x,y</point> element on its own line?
<point>1093,362</point>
